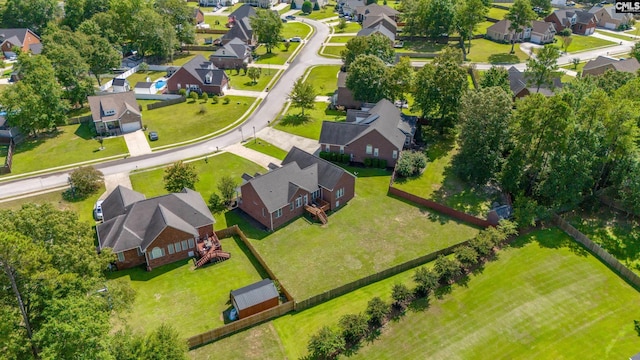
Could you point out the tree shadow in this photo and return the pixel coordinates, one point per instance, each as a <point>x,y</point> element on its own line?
<point>85,132</point>
<point>295,120</point>
<point>420,304</point>
<point>443,290</point>
<point>250,227</point>
<point>503,58</point>
<point>140,273</point>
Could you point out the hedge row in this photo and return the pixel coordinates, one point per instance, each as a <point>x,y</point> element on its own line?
<point>335,157</point>
<point>375,162</point>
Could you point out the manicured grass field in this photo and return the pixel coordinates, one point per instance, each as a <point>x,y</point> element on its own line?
<point>84,208</point>
<point>242,82</point>
<point>352,27</point>
<point>325,13</point>
<point>615,232</point>
<point>234,7</point>
<point>615,35</point>
<point>182,58</point>
<point>278,55</point>
<point>635,31</point>
<point>293,29</point>
<point>340,39</point>
<point>324,79</point>
<point>582,43</point>
<point>184,121</point>
<point>420,47</point>
<point>142,77</point>
<point>209,172</point>
<point>309,258</point>
<point>266,148</point>
<point>483,50</point>
<point>191,300</point>
<point>482,27</point>
<point>544,298</point>
<point>440,184</point>
<point>220,19</point>
<point>310,126</point>
<point>68,145</point>
<point>577,69</point>
<point>332,51</point>
<point>257,343</point>
<point>496,13</point>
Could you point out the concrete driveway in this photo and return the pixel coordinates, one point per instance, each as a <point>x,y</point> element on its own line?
<point>137,143</point>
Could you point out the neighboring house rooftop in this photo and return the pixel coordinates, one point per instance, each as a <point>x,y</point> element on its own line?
<point>502,26</point>
<point>254,294</point>
<point>143,85</point>
<point>201,68</point>
<point>17,37</point>
<point>518,82</point>
<point>236,48</point>
<point>630,65</point>
<point>112,106</point>
<point>131,221</point>
<point>542,27</point>
<point>119,82</point>
<point>612,13</point>
<point>582,16</point>
<point>375,9</point>
<point>374,20</point>
<point>381,29</point>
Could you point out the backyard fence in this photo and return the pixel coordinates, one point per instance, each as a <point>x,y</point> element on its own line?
<point>198,48</point>
<point>79,119</point>
<point>164,103</point>
<point>473,73</point>
<point>6,168</point>
<point>157,96</point>
<point>597,251</point>
<point>211,31</point>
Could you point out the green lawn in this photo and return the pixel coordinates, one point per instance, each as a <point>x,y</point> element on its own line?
<point>266,148</point>
<point>325,13</point>
<point>217,22</point>
<point>310,259</point>
<point>577,69</point>
<point>505,4</point>
<point>241,81</point>
<point>142,77</point>
<point>192,123</point>
<point>352,27</point>
<point>310,126</point>
<point>582,43</point>
<point>544,298</point>
<point>278,55</point>
<point>233,8</point>
<point>209,172</point>
<point>440,184</point>
<point>615,35</point>
<point>182,58</point>
<point>615,232</point>
<point>293,29</point>
<point>192,301</point>
<point>67,145</point>
<point>635,31</point>
<point>257,343</point>
<point>83,208</point>
<point>332,51</point>
<point>340,39</point>
<point>483,50</point>
<point>324,79</point>
<point>420,46</point>
<point>482,27</point>
<point>496,13</point>
<point>470,81</point>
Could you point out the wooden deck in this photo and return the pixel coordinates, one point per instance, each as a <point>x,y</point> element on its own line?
<point>317,212</point>
<point>210,250</point>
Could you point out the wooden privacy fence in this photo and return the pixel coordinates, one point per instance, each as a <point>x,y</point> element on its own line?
<point>6,167</point>
<point>79,119</point>
<point>211,31</point>
<point>198,48</point>
<point>166,103</point>
<point>598,251</point>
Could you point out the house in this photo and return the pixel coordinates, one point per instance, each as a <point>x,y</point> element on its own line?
<point>384,20</point>
<point>198,16</point>
<point>521,87</point>
<point>608,18</point>
<point>321,3</point>
<point>559,3</point>
<point>378,29</point>
<point>538,32</point>
<point>348,7</point>
<point>199,75</point>
<point>115,113</point>
<point>304,183</point>
<point>145,87</point>
<point>120,85</point>
<point>240,26</point>
<point>232,55</point>
<point>7,132</point>
<point>362,12</point>
<point>380,132</point>
<point>343,97</point>
<point>601,64</point>
<point>254,298</point>
<point>265,4</point>
<point>24,39</point>
<point>155,231</point>
<point>580,22</point>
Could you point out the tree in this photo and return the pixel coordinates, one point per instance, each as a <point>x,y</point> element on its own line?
<point>377,309</point>
<point>165,343</point>
<point>30,14</point>
<point>447,268</point>
<point>254,74</point>
<point>438,18</point>
<point>161,42</point>
<point>411,163</point>
<point>375,44</point>
<point>227,187</point>
<point>204,97</point>
<point>179,176</point>
<point>325,344</point>
<point>85,181</point>
<point>466,255</point>
<point>342,24</point>
<point>316,6</point>
<point>439,89</point>
<point>180,17</point>
<point>575,61</point>
<point>354,327</point>
<point>287,45</point>
<point>426,280</point>
<point>635,51</point>
<point>74,13</point>
<point>100,56</point>
<point>267,26</point>
<point>307,7</point>
<point>496,76</point>
<point>216,203</point>
<point>566,41</point>
<point>194,95</point>
<point>368,79</point>
<point>540,69</point>
<point>520,15</point>
<point>403,79</point>
<point>484,134</point>
<point>400,294</point>
<point>468,14</point>
<point>302,95</point>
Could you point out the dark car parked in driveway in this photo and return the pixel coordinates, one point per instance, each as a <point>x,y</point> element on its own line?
<point>290,17</point>
<point>153,135</point>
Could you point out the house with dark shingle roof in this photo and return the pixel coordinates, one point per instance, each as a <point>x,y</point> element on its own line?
<point>240,26</point>
<point>538,32</point>
<point>379,24</point>
<point>348,7</point>
<point>197,15</point>
<point>155,231</point>
<point>254,298</point>
<point>601,64</point>
<point>232,55</point>
<point>199,75</point>
<point>580,22</point>
<point>282,194</point>
<point>380,132</point>
<point>521,87</point>
<point>363,12</point>
<point>115,112</point>
<point>25,39</point>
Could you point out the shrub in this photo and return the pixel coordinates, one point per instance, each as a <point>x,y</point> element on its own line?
<point>377,309</point>
<point>316,6</point>
<point>293,5</point>
<point>426,281</point>
<point>447,268</point>
<point>227,187</point>
<point>383,164</point>
<point>85,181</point>
<point>214,99</point>
<point>205,97</point>
<point>325,344</point>
<point>466,255</point>
<point>226,101</point>
<point>182,92</point>
<point>193,95</point>
<point>411,163</point>
<point>367,162</point>
<point>324,155</point>
<point>400,294</point>
<point>334,156</point>
<point>375,163</point>
<point>216,203</point>
<point>307,7</point>
<point>346,158</point>
<point>354,327</point>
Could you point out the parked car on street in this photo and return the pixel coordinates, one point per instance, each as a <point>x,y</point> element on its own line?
<point>296,39</point>
<point>290,17</point>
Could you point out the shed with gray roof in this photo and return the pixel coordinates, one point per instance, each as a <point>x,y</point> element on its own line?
<point>254,298</point>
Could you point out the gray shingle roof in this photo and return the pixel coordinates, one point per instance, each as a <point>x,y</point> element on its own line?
<point>118,201</point>
<point>119,102</point>
<point>119,82</point>
<point>374,20</point>
<point>236,48</point>
<point>200,67</point>
<point>15,36</point>
<point>627,65</point>
<point>328,174</point>
<point>339,133</point>
<point>254,294</point>
<point>379,28</point>
<point>518,82</point>
<point>242,26</point>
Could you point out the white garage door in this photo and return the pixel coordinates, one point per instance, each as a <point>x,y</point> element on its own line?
<point>536,39</point>
<point>225,87</point>
<point>130,127</point>
<point>610,26</point>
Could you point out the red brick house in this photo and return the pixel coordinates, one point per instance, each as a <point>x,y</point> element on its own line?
<point>232,55</point>
<point>343,96</point>
<point>254,298</point>
<point>198,16</point>
<point>379,132</point>
<point>155,231</point>
<point>24,39</point>
<point>240,26</point>
<point>304,182</point>
<point>580,22</point>
<point>199,75</point>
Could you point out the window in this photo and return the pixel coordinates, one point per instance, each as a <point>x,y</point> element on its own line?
<point>299,202</point>
<point>306,199</point>
<point>394,154</point>
<point>340,193</point>
<point>157,253</point>
<point>178,247</point>
<point>179,86</point>
<point>327,147</point>
<point>375,152</point>
<point>170,249</point>
<point>278,213</point>
<point>315,194</point>
<point>291,206</point>
<point>184,245</point>
<point>341,149</point>
<point>121,257</point>
<point>407,140</point>
<point>369,149</point>
<point>191,243</point>
<point>263,212</point>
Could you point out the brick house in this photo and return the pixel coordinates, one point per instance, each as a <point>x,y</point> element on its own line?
<point>580,22</point>
<point>240,26</point>
<point>538,32</point>
<point>115,113</point>
<point>521,88</point>
<point>199,75</point>
<point>608,18</point>
<point>25,39</point>
<point>343,96</point>
<point>232,55</point>
<point>379,132</point>
<point>197,16</point>
<point>153,232</point>
<point>601,64</point>
<point>304,182</point>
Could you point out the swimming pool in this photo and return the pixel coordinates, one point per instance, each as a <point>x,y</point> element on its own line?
<point>160,84</point>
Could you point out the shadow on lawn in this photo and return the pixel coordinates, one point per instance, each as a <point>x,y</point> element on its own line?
<point>504,58</point>
<point>553,238</point>
<point>31,143</point>
<point>295,120</point>
<point>139,273</point>
<point>463,197</point>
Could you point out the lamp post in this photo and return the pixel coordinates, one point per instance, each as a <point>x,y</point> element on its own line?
<point>255,139</point>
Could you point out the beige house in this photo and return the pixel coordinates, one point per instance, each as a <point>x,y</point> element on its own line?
<point>538,32</point>
<point>115,113</point>
<point>601,64</point>
<point>608,18</point>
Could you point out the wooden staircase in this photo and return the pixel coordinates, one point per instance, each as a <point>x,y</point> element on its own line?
<point>213,256</point>
<point>317,213</point>
<point>211,252</point>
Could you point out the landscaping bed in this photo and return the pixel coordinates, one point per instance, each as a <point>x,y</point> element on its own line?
<point>266,148</point>
<point>324,79</point>
<point>311,125</point>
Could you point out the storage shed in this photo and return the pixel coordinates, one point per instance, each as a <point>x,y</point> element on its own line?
<point>254,298</point>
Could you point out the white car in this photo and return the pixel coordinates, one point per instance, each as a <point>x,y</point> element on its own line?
<point>97,210</point>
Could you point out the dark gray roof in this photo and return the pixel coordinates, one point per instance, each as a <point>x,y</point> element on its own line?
<point>245,10</point>
<point>235,48</point>
<point>15,36</point>
<point>254,294</point>
<point>36,49</point>
<point>337,133</point>
<point>143,220</point>
<point>342,79</point>
<point>120,102</point>
<point>374,20</point>
<point>118,201</point>
<point>119,82</point>
<point>200,67</point>
<point>328,174</point>
<point>143,84</point>
<point>518,82</point>
<point>242,27</point>
<point>627,65</point>
<point>379,28</point>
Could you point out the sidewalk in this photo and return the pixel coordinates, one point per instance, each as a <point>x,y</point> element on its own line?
<point>286,141</point>
<point>250,93</point>
<point>249,154</point>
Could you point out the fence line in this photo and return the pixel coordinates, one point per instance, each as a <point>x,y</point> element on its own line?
<point>472,72</point>
<point>6,168</point>
<point>157,96</point>
<point>211,31</point>
<point>124,75</point>
<point>164,103</point>
<point>79,119</point>
<point>598,251</point>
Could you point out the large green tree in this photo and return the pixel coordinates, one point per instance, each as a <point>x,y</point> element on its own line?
<point>402,79</point>
<point>267,27</point>
<point>368,79</point>
<point>376,44</point>
<point>541,68</point>
<point>179,176</point>
<point>302,95</point>
<point>496,76</point>
<point>180,16</point>
<point>31,14</point>
<point>520,15</point>
<point>468,14</point>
